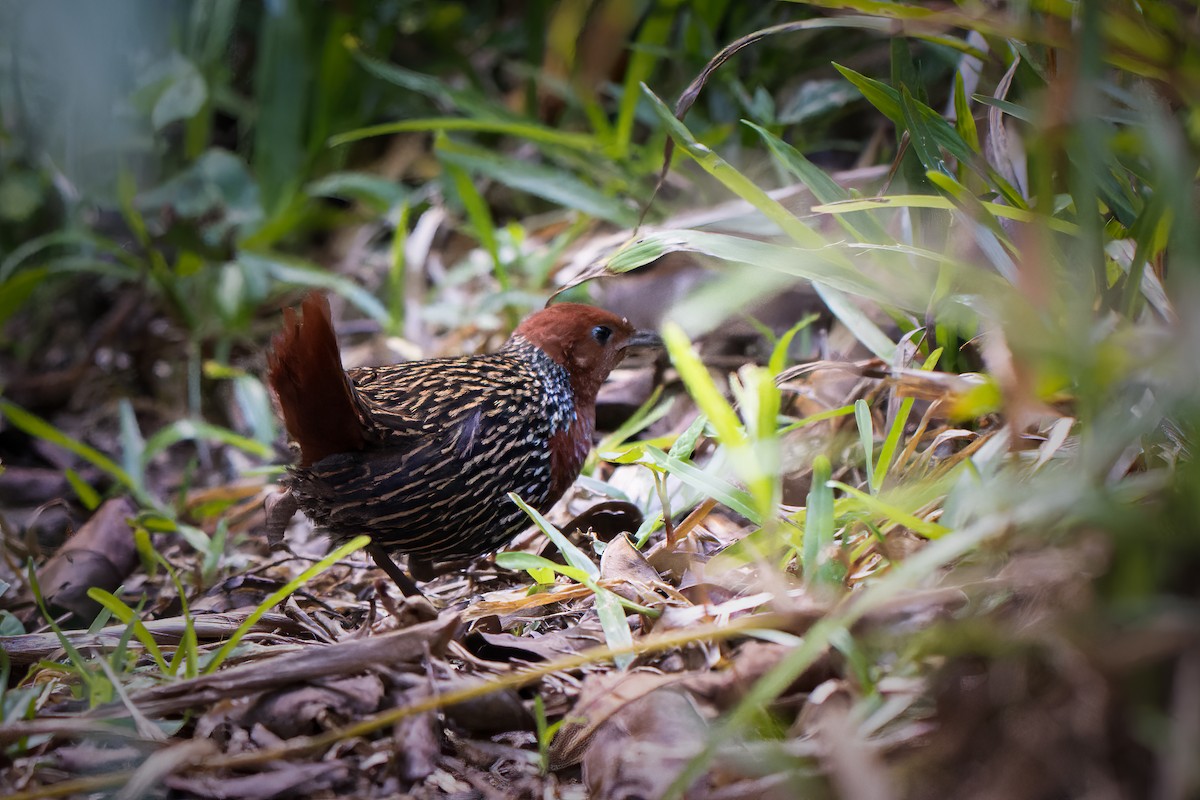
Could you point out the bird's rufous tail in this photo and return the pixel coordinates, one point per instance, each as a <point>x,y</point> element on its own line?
<point>305,372</point>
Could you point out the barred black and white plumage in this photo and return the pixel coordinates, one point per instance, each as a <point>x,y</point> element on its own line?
<point>447,440</point>
<point>422,455</point>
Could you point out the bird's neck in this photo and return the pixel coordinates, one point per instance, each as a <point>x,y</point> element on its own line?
<point>584,386</point>
<point>573,410</point>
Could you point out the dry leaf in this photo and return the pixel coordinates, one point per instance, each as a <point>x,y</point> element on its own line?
<point>100,554</point>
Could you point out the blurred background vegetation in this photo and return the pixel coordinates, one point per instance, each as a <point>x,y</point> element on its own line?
<point>1017,200</point>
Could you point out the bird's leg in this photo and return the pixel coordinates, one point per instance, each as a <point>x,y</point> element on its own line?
<point>385,563</point>
<point>424,570</point>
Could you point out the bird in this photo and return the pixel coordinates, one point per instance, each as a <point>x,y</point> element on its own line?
<point>421,455</point>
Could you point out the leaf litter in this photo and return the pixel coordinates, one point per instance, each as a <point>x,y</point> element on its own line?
<point>386,704</point>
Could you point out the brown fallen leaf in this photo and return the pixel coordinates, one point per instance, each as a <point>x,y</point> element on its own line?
<point>515,601</point>
<point>641,749</point>
<point>303,710</point>
<point>101,553</point>
<point>548,646</point>
<point>627,572</point>
<point>418,739</point>
<point>603,696</point>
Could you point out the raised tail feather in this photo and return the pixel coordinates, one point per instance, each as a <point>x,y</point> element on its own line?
<point>305,371</point>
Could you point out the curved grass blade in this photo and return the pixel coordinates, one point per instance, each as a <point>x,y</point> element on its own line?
<point>352,546</point>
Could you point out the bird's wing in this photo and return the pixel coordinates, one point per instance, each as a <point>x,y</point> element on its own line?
<point>443,403</point>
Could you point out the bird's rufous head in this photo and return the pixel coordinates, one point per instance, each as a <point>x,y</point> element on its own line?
<point>587,341</point>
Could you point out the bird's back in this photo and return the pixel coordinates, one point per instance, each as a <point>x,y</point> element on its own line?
<point>444,442</point>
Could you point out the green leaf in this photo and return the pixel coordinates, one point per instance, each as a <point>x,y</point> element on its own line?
<point>303,273</point>
<point>217,193</point>
<point>1012,109</point>
<point>170,90</point>
<point>549,183</point>
<point>129,617</point>
<point>79,246</point>
<point>133,446</point>
<point>866,437</point>
<point>480,216</point>
<point>609,606</point>
<point>517,128</point>
<point>779,352</point>
<point>645,53</point>
<point>920,132</point>
<point>22,193</point>
<point>819,568</point>
<point>685,444</point>
<point>934,201</point>
<point>16,291</point>
<point>575,557</point>
<point>854,318</point>
<point>473,103</point>
<point>87,495</point>
<point>905,286</point>
<point>531,562</point>
<point>352,546</point>
<point>40,428</point>
<point>735,181</point>
<point>964,120</point>
<point>702,388</point>
<point>820,416</point>
<point>647,414</point>
<point>380,193</point>
<point>935,131</point>
<point>710,485</point>
<point>283,72</point>
<point>825,189</point>
<point>930,530</point>
<point>198,430</point>
<point>183,97</point>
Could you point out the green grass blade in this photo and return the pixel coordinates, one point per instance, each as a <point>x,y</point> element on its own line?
<point>964,120</point>
<point>574,556</point>
<point>302,273</point>
<point>863,227</point>
<point>608,604</point>
<point>40,428</point>
<point>198,430</point>
<point>866,438</point>
<point>930,530</point>
<point>890,444</point>
<point>550,183</point>
<point>129,617</point>
<point>710,485</point>
<point>645,53</point>
<point>934,201</point>
<point>733,180</point>
<point>479,215</point>
<point>352,546</point>
<point>863,328</point>
<point>702,388</point>
<point>818,527</point>
<point>281,84</point>
<point>528,131</point>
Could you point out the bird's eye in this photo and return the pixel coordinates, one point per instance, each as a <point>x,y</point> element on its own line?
<point>601,333</point>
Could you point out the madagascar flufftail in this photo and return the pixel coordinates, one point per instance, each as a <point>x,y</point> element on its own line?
<point>421,455</point>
